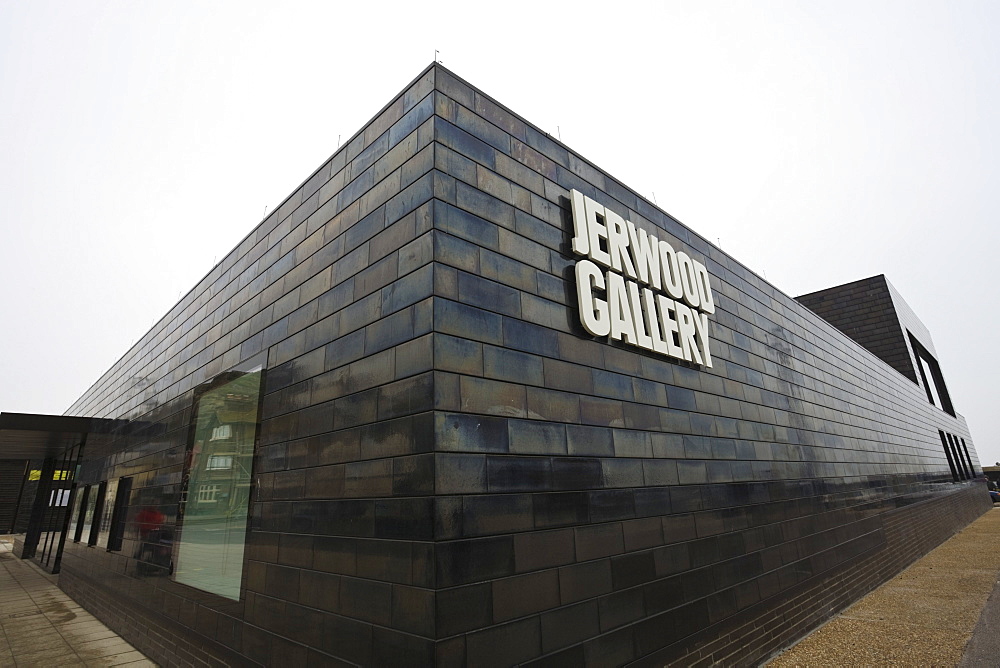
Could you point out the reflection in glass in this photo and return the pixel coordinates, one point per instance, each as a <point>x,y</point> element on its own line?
<point>75,517</point>
<point>107,508</point>
<point>59,497</point>
<point>154,529</point>
<point>214,527</point>
<point>932,390</point>
<point>117,529</point>
<point>88,514</point>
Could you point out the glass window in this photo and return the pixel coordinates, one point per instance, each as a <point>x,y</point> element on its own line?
<point>95,508</point>
<point>217,500</point>
<point>59,497</point>
<point>76,516</point>
<point>967,457</point>
<point>113,515</point>
<point>963,473</point>
<point>931,386</point>
<point>153,524</point>
<point>930,376</point>
<point>107,509</point>
<point>947,453</point>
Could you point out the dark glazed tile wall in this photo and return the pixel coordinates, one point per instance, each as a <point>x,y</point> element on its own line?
<point>332,295</point>
<point>450,470</point>
<point>600,502</point>
<point>864,311</point>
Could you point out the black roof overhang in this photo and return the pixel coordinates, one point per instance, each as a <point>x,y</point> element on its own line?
<point>36,436</point>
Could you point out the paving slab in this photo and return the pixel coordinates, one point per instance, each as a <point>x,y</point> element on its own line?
<point>40,626</point>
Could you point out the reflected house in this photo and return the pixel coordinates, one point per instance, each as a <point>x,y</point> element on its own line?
<point>464,398</point>
<point>222,453</point>
<point>214,524</point>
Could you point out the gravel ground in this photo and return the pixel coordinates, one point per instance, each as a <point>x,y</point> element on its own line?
<point>922,617</point>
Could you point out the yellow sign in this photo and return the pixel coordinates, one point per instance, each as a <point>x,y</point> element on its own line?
<point>36,474</point>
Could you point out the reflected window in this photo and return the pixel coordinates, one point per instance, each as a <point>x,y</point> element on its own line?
<point>75,528</point>
<point>208,493</point>
<point>219,463</point>
<point>152,523</point>
<point>107,509</point>
<point>215,507</point>
<point>95,508</point>
<point>59,497</point>
<point>119,509</point>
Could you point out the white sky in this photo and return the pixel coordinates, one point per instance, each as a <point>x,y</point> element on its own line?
<point>819,142</point>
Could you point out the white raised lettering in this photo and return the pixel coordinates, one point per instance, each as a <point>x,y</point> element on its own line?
<point>618,244</point>
<point>593,311</point>
<point>671,271</point>
<point>596,231</point>
<point>638,289</point>
<point>622,325</point>
<point>647,255</point>
<point>653,322</point>
<point>643,340</point>
<point>668,316</point>
<point>581,240</point>
<point>685,322</point>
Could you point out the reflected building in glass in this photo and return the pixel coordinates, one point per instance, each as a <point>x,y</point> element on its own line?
<point>466,399</point>
<point>216,495</point>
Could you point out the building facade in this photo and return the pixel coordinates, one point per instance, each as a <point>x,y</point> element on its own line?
<point>465,399</point>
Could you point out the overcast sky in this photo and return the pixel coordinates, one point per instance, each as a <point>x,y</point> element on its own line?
<point>818,142</point>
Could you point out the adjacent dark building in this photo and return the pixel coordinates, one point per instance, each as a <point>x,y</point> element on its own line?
<point>465,399</point>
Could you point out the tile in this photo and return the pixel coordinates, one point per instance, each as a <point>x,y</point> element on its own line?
<point>51,654</point>
<point>506,644</point>
<point>102,648</point>
<point>537,438</point>
<point>543,549</point>
<point>124,659</point>
<point>525,594</point>
<point>569,625</point>
<point>496,514</point>
<point>462,609</point>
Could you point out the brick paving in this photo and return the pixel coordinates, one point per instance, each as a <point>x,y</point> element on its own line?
<point>42,626</point>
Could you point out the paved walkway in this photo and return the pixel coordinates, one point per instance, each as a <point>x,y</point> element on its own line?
<point>42,626</point>
<point>925,616</point>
